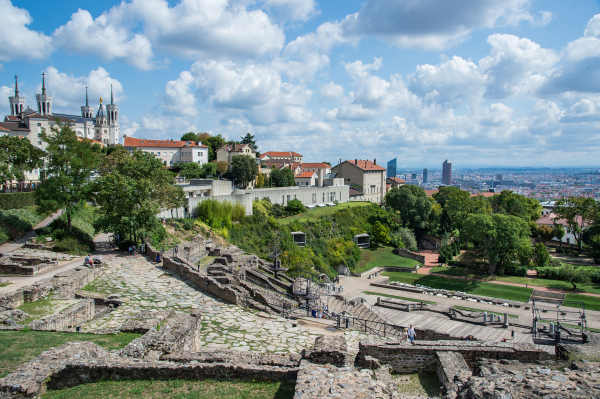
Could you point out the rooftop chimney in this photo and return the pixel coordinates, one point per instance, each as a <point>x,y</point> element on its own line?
<point>356,162</point>
<point>375,161</point>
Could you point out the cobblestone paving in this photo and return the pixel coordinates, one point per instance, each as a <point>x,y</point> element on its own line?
<point>142,285</point>
<point>40,253</point>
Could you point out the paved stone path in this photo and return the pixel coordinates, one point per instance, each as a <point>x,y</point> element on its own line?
<point>144,285</point>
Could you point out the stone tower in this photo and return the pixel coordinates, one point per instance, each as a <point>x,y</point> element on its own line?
<point>112,115</point>
<point>101,127</point>
<point>87,111</point>
<point>17,103</point>
<point>44,101</point>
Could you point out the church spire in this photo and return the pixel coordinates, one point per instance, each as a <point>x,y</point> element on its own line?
<point>111,95</point>
<point>16,87</point>
<point>43,83</point>
<point>87,102</point>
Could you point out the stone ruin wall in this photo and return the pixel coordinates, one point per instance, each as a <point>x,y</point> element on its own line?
<point>67,319</point>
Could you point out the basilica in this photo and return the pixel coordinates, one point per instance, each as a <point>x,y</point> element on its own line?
<point>26,122</point>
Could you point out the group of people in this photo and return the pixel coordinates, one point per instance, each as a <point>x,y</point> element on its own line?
<point>320,312</point>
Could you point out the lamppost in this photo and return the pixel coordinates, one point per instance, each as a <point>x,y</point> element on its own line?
<point>276,266</point>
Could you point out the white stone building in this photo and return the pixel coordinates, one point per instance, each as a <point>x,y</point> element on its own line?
<point>171,152</point>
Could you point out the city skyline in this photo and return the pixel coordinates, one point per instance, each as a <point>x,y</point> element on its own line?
<point>487,84</point>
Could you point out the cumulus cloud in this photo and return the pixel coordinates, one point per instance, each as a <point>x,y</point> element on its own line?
<point>431,24</point>
<point>292,10</point>
<point>104,38</point>
<point>17,42</point>
<point>178,98</point>
<point>331,90</point>
<point>511,62</point>
<point>68,91</point>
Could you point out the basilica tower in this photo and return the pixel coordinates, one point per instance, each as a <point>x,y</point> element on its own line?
<point>44,101</point>
<point>17,103</point>
<point>112,116</point>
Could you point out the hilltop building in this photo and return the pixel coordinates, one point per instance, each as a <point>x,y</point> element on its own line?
<point>169,151</point>
<point>365,178</point>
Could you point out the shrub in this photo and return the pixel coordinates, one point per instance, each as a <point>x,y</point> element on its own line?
<point>295,207</point>
<point>541,256</point>
<point>559,250</point>
<point>446,253</point>
<point>4,235</point>
<point>408,238</point>
<point>16,200</point>
<point>381,234</point>
<point>72,246</point>
<point>513,270</point>
<point>22,219</point>
<point>44,231</point>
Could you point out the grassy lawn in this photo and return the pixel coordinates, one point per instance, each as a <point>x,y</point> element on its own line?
<point>570,325</point>
<point>468,286</point>
<point>4,284</point>
<point>381,256</point>
<point>484,288</point>
<point>17,347</point>
<point>92,287</point>
<point>399,297</point>
<point>314,214</point>
<point>180,389</point>
<point>539,282</point>
<point>481,311</point>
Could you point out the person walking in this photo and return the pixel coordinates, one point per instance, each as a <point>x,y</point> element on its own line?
<point>512,334</point>
<point>411,333</point>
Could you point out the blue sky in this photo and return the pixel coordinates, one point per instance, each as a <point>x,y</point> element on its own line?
<point>477,82</point>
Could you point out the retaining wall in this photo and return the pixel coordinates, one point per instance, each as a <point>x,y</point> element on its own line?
<point>68,318</point>
<point>405,253</point>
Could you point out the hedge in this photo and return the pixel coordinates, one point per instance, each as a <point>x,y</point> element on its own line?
<point>16,200</point>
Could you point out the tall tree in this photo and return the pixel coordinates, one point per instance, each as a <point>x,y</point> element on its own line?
<point>132,190</point>
<point>213,143</point>
<point>244,169</point>
<point>578,213</point>
<point>70,164</point>
<point>510,203</point>
<point>249,139</point>
<point>283,177</point>
<point>222,167</point>
<point>189,136</point>
<point>191,170</point>
<point>412,204</point>
<point>498,237</point>
<point>18,156</point>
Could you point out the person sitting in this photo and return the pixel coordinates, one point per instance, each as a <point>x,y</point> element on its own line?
<point>158,258</point>
<point>88,260</point>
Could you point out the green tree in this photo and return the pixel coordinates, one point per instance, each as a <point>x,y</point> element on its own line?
<point>541,256</point>
<point>328,163</point>
<point>510,203</point>
<point>381,233</point>
<point>189,136</point>
<point>17,157</point>
<point>132,190</point>
<point>559,232</point>
<point>579,213</point>
<point>442,195</point>
<point>412,204</point>
<point>574,276</point>
<point>498,237</point>
<point>594,246</point>
<point>546,233</point>
<point>260,180</point>
<point>191,170</point>
<point>209,169</point>
<point>459,205</point>
<point>283,177</point>
<point>244,169</point>
<point>249,139</point>
<point>70,164</point>
<point>213,143</point>
<point>295,207</point>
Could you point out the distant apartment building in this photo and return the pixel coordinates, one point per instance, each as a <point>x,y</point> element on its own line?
<point>392,169</point>
<point>281,155</point>
<point>447,173</point>
<point>364,177</point>
<point>425,176</point>
<point>170,152</point>
<point>228,151</point>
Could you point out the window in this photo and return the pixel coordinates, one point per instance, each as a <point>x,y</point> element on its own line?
<point>323,197</point>
<point>568,240</point>
<point>199,153</point>
<point>288,198</point>
<point>171,153</point>
<point>165,153</point>
<point>39,142</point>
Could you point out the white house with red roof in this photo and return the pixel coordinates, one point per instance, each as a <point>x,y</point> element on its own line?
<point>171,152</point>
<point>551,218</point>
<point>306,179</point>
<point>364,177</point>
<point>281,155</point>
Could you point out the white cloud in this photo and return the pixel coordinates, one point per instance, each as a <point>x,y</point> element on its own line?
<point>17,42</point>
<point>511,62</point>
<point>331,90</point>
<point>129,130</point>
<point>432,24</point>
<point>593,27</point>
<point>104,38</point>
<point>178,99</point>
<point>68,91</point>
<point>292,10</point>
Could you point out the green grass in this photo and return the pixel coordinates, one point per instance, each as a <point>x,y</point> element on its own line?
<point>570,325</point>
<point>17,347</point>
<point>381,256</point>
<point>425,385</point>
<point>5,284</point>
<point>94,287</point>
<point>39,309</point>
<point>399,297</point>
<point>314,214</point>
<point>481,311</point>
<point>468,286</point>
<point>179,389</point>
<point>591,302</point>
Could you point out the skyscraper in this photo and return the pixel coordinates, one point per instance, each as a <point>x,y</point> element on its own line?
<point>425,175</point>
<point>391,168</point>
<point>446,173</point>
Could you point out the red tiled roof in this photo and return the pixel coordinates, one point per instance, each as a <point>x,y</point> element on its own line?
<point>235,147</point>
<point>306,174</point>
<point>485,194</point>
<point>135,142</point>
<point>396,179</point>
<point>318,165</point>
<point>280,154</point>
<point>388,185</point>
<point>3,129</point>
<point>11,118</point>
<point>431,192</point>
<point>367,165</point>
<point>14,126</point>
